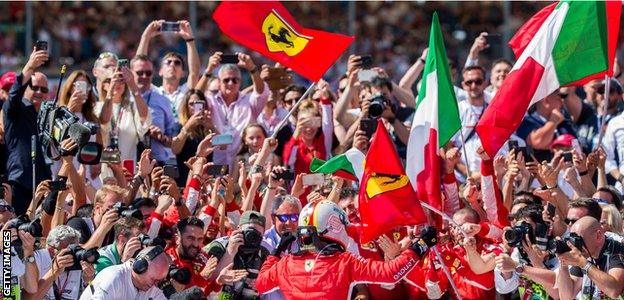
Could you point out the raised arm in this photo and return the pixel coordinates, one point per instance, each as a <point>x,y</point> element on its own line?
<point>186,32</point>
<point>152,30</point>
<point>409,78</point>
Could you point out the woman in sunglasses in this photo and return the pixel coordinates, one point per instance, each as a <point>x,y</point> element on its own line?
<point>194,131</point>
<point>125,119</point>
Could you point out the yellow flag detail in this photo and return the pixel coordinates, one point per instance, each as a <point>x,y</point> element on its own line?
<point>378,184</point>
<point>281,37</point>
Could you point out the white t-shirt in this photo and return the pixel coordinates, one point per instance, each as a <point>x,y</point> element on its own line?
<point>18,269</point>
<point>68,283</point>
<point>115,283</point>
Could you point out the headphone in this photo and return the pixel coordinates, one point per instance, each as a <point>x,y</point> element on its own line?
<point>141,263</point>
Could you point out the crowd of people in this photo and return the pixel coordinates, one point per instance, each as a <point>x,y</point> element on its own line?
<point>200,193</point>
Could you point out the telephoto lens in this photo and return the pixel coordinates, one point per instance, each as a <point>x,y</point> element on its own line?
<point>377,106</point>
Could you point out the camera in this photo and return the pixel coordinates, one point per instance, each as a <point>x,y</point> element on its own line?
<point>129,212</point>
<point>25,224</point>
<point>93,127</point>
<point>146,241</point>
<point>377,105</point>
<point>251,238</point>
<point>55,124</point>
<point>112,154</point>
<point>80,254</point>
<point>541,235</point>
<point>515,235</point>
<point>181,275</point>
<point>561,246</point>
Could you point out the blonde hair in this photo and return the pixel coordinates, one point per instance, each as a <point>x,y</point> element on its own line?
<point>613,218</point>
<point>308,106</point>
<point>104,190</point>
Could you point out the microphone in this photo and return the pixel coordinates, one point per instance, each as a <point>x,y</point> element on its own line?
<point>79,133</point>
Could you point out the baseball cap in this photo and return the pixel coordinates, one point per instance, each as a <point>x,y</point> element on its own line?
<point>564,140</point>
<point>7,80</point>
<point>252,216</point>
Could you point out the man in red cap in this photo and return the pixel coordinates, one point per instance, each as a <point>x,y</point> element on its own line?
<point>6,81</point>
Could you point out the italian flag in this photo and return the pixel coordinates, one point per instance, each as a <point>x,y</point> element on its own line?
<point>349,165</point>
<point>565,44</point>
<point>436,121</point>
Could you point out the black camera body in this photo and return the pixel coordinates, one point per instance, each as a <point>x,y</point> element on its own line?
<point>561,246</point>
<point>25,224</point>
<point>57,123</point>
<point>128,212</point>
<point>377,105</point>
<point>516,234</point>
<point>251,238</point>
<point>80,254</point>
<point>180,275</point>
<point>147,241</point>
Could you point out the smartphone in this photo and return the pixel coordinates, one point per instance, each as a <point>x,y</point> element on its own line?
<point>229,58</point>
<point>122,63</point>
<point>512,145</point>
<point>59,185</point>
<point>41,45</point>
<point>494,39</point>
<point>170,26</point>
<point>222,139</point>
<point>567,156</point>
<point>369,126</point>
<point>129,165</point>
<point>550,210</point>
<point>577,147</point>
<point>81,86</point>
<point>171,171</point>
<point>286,175</point>
<point>366,61</point>
<point>198,106</point>
<point>111,156</point>
<point>313,179</point>
<point>218,170</point>
<point>366,75</point>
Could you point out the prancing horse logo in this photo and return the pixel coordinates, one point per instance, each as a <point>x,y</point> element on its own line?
<point>281,37</point>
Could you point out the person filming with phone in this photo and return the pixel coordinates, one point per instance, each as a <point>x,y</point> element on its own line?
<point>20,124</point>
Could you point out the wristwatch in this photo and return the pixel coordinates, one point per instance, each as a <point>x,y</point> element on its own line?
<point>586,268</point>
<point>30,259</point>
<point>520,268</point>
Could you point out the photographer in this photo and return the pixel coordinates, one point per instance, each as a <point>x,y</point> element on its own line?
<point>95,229</point>
<point>245,250</point>
<point>594,268</point>
<point>20,123</point>
<point>529,266</point>
<point>24,274</point>
<point>186,253</point>
<point>135,279</point>
<point>124,247</point>
<point>63,268</point>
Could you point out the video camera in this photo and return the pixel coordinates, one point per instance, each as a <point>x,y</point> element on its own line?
<point>57,123</point>
<point>80,254</point>
<point>129,211</point>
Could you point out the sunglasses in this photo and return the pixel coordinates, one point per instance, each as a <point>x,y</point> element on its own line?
<point>601,201</point>
<point>5,208</point>
<point>286,217</point>
<point>234,80</point>
<point>570,221</point>
<point>144,73</point>
<point>39,89</point>
<point>176,62</point>
<point>470,82</point>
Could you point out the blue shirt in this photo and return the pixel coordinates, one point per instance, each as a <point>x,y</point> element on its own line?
<point>20,123</point>
<point>162,117</point>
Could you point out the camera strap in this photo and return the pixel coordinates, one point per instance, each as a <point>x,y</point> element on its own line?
<point>115,121</point>
<point>473,131</point>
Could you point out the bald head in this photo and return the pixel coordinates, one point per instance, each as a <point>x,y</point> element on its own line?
<point>156,271</point>
<point>592,233</point>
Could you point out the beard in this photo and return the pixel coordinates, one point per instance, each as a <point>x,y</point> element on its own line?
<point>189,253</point>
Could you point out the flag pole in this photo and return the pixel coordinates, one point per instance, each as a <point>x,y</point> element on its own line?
<point>461,134</point>
<point>292,110</point>
<point>444,216</point>
<point>446,271</point>
<point>605,106</point>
